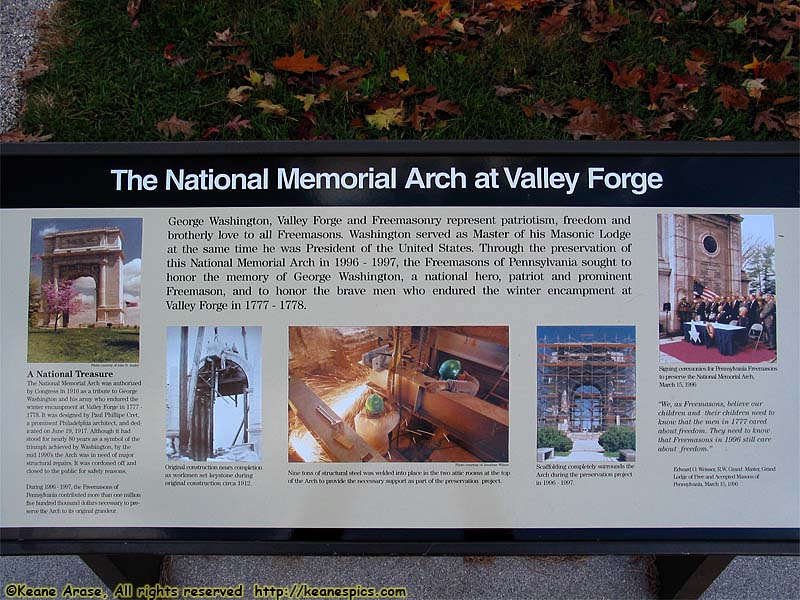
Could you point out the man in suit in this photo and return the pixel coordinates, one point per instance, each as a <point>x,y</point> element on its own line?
<point>700,309</point>
<point>767,316</point>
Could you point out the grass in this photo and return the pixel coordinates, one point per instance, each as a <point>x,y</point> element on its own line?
<point>115,345</point>
<point>108,81</point>
<point>611,453</point>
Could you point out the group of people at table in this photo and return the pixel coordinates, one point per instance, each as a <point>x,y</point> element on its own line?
<point>734,311</point>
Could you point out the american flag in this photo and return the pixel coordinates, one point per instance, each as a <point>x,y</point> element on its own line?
<point>700,291</point>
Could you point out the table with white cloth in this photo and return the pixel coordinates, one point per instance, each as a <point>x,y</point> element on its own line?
<point>724,337</point>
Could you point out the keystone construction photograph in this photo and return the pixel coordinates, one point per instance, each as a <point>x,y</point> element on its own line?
<point>214,394</point>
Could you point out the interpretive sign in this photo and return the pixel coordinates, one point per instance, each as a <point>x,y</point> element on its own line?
<point>317,345</point>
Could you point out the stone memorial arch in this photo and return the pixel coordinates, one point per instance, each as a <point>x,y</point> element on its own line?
<point>95,253</point>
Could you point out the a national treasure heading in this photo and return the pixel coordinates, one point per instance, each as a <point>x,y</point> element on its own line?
<point>536,178</point>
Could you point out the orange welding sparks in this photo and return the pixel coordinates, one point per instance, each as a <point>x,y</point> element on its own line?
<point>302,441</point>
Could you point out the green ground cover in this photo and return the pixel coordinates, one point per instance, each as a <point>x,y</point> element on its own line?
<point>534,69</point>
<point>84,345</point>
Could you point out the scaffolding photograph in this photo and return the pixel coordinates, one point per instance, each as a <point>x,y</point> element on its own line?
<point>398,394</point>
<point>213,394</point>
<point>586,400</point>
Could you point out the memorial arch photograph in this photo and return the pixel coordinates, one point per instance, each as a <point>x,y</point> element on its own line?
<point>84,290</point>
<point>586,393</point>
<point>717,296</point>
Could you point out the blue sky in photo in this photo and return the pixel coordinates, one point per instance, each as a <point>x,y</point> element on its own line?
<point>759,227</point>
<point>585,333</point>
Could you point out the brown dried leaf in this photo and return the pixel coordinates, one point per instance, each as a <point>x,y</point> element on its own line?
<point>732,97</point>
<point>547,110</point>
<point>350,79</point>
<point>428,32</point>
<point>133,8</point>
<point>623,78</point>
<point>777,71</point>
<point>510,4</point>
<point>337,69</point>
<point>433,104</point>
<point>415,15</point>
<point>299,63</point>
<point>33,69</point>
<point>242,58</point>
<point>701,55</point>
<point>695,67</point>
<point>584,105</point>
<point>173,126</point>
<point>770,119</point>
<point>662,122</point>
<point>656,91</point>
<point>173,58</point>
<point>20,136</point>
<point>502,91</point>
<point>792,122</point>
<point>441,7</point>
<point>600,125</point>
<point>783,100</point>
<point>632,124</point>
<point>201,75</point>
<point>688,84</point>
<point>268,108</point>
<point>239,95</point>
<point>610,24</point>
<point>660,15</point>
<point>550,26</point>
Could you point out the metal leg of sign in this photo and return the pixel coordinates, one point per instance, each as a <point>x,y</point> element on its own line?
<point>688,576</point>
<point>130,570</point>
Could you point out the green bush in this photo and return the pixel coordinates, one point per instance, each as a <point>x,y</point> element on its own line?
<point>550,437</point>
<point>618,438</point>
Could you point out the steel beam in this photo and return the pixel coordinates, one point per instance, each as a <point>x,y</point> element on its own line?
<point>305,404</point>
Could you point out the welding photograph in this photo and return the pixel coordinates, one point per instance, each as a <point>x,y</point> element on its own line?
<point>398,394</point>
<point>586,393</point>
<point>214,394</point>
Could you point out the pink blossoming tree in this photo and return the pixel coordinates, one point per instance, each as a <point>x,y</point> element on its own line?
<point>62,299</point>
